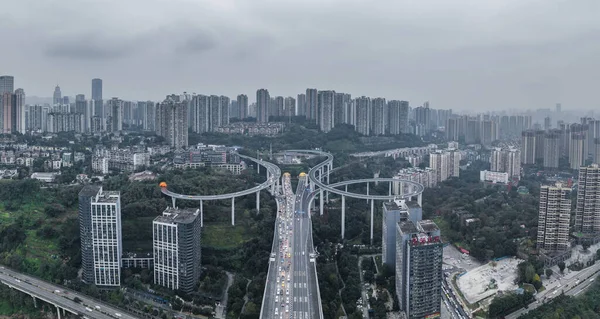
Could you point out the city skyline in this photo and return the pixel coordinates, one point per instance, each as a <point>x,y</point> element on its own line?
<point>517,60</point>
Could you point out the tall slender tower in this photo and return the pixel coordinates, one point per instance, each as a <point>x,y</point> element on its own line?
<point>57,97</point>
<point>7,84</point>
<point>263,100</point>
<point>587,218</point>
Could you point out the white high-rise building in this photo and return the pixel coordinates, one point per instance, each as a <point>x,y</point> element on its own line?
<point>19,125</point>
<point>440,162</point>
<point>379,117</point>
<point>7,84</point>
<point>100,232</point>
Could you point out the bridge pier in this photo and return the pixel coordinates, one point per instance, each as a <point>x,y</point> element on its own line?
<point>343,215</point>
<point>201,214</point>
<point>258,202</point>
<point>58,311</point>
<point>372,208</point>
<point>420,199</point>
<point>390,189</point>
<point>34,301</point>
<point>173,199</point>
<point>368,190</point>
<point>321,201</point>
<point>232,211</point>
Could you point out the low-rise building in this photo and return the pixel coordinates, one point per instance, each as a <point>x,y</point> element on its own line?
<point>44,177</point>
<point>493,177</point>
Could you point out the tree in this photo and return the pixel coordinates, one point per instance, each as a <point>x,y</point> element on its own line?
<point>549,272</point>
<point>54,210</point>
<point>561,266</point>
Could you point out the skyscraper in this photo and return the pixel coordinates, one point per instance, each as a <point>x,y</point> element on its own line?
<point>379,116</point>
<point>301,104</point>
<point>224,110</point>
<point>100,232</point>
<point>363,115</point>
<point>242,101</point>
<point>200,113</point>
<point>262,105</point>
<point>397,117</point>
<point>513,163</point>
<point>172,120</point>
<point>419,276</point>
<point>150,116</point>
<point>7,84</point>
<point>587,217</point>
<point>19,111</point>
<point>115,105</point>
<point>290,107</point>
<point>393,213</point>
<point>576,149</point>
<point>97,89</point>
<point>497,160</point>
<point>177,250</point>
<point>528,148</point>
<point>553,223</point>
<point>57,96</point>
<point>312,104</point>
<point>325,106</point>
<point>7,105</point>
<point>439,161</point>
<point>551,148</point>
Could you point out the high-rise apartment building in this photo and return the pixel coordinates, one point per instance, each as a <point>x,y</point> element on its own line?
<point>379,116</point>
<point>7,84</point>
<point>224,110</point>
<point>398,117</point>
<point>100,232</point>
<point>363,115</point>
<point>301,104</point>
<point>488,132</point>
<point>115,105</point>
<point>528,148</point>
<point>452,129</point>
<point>497,160</point>
<point>393,213</point>
<point>419,276</point>
<point>576,149</point>
<point>262,105</point>
<point>423,117</point>
<point>553,223</point>
<point>242,104</point>
<point>445,163</point>
<point>325,106</point>
<point>18,116</point>
<point>177,250</point>
<point>587,212</point>
<point>289,107</point>
<point>172,120</point>
<point>312,104</point>
<point>551,148</point>
<point>339,109</point>
<point>7,106</point>
<point>540,136</point>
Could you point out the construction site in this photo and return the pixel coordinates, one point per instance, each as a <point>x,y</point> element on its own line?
<point>486,280</point>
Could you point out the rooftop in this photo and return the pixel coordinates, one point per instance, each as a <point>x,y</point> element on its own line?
<point>178,216</point>
<point>89,190</point>
<point>428,226</point>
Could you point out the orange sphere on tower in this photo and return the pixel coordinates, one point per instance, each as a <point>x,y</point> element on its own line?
<point>163,185</point>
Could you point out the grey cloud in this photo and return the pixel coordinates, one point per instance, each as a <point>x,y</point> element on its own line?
<point>199,42</point>
<point>84,47</point>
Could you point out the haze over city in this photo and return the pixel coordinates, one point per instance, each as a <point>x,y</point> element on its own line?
<point>461,55</point>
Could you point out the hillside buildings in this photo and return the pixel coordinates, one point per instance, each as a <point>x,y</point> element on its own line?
<point>587,217</point>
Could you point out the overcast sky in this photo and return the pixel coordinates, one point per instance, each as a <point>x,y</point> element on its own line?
<point>460,54</point>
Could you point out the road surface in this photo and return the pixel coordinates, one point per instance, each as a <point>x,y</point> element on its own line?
<point>64,298</point>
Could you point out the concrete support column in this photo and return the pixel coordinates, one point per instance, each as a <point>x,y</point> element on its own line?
<point>201,214</point>
<point>390,189</point>
<point>372,209</point>
<point>321,201</point>
<point>321,174</point>
<point>173,199</point>
<point>343,215</point>
<point>34,301</point>
<point>58,311</point>
<point>420,199</point>
<point>258,168</point>
<point>368,190</point>
<point>233,211</point>
<point>258,201</point>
